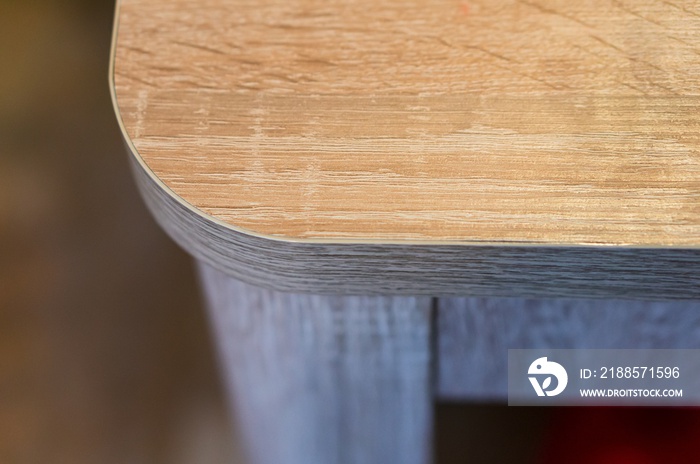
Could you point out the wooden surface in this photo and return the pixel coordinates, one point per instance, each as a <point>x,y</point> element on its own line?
<point>555,135</point>
<point>474,335</point>
<point>325,379</point>
<point>497,121</point>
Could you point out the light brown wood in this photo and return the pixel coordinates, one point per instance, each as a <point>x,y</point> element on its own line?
<point>474,335</point>
<point>544,121</point>
<point>325,379</point>
<point>507,130</point>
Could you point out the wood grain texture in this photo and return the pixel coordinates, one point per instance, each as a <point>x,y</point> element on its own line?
<point>499,121</point>
<point>474,335</point>
<point>325,379</point>
<point>565,134</point>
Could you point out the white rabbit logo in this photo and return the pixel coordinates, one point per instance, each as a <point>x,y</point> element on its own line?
<point>541,367</point>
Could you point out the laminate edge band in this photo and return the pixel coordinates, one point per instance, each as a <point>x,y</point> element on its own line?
<point>450,270</point>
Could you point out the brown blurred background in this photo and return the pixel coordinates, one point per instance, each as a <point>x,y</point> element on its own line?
<point>104,351</point>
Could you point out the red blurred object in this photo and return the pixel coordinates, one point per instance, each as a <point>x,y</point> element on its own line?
<point>623,436</point>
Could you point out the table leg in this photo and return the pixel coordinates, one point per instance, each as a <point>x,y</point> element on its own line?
<point>324,379</point>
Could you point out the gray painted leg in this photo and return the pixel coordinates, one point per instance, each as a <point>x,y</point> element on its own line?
<point>324,379</point>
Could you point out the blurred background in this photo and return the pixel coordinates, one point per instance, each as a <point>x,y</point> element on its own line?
<point>105,355</point>
<point>104,351</point>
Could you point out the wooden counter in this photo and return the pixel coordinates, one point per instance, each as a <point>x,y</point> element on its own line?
<point>433,136</point>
